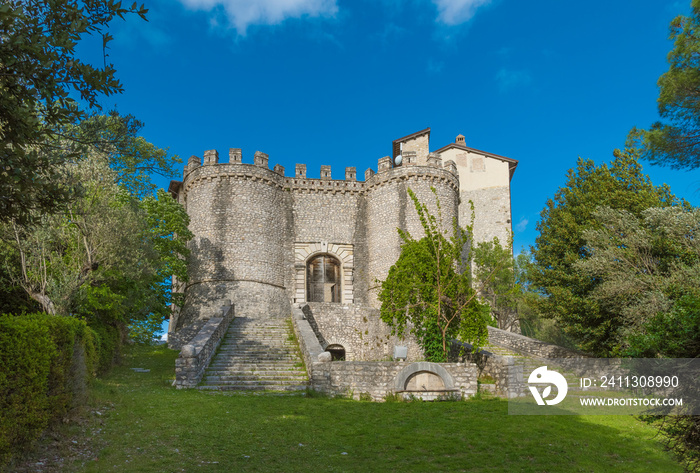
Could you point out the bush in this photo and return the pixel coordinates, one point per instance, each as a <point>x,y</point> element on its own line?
<point>45,364</point>
<point>109,342</point>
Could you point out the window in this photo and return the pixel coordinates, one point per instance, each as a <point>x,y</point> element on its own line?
<point>337,352</point>
<point>323,279</point>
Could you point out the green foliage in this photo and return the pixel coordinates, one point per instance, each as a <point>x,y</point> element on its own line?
<point>672,334</point>
<point>561,244</point>
<point>132,159</point>
<point>39,75</point>
<point>428,291</point>
<point>46,362</point>
<point>648,272</point>
<point>109,258</point>
<point>108,343</point>
<point>675,141</point>
<point>495,276</point>
<point>682,437</point>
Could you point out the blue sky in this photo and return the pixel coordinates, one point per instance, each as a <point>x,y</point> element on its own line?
<point>334,82</point>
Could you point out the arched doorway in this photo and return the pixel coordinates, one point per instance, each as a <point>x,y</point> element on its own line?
<point>323,279</point>
<point>337,352</point>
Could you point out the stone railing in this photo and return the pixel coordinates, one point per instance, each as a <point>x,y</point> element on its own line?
<point>196,355</point>
<point>530,346</point>
<point>309,345</point>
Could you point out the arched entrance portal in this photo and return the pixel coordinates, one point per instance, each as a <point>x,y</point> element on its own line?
<point>323,279</point>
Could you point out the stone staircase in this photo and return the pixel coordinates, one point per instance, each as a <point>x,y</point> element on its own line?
<point>530,364</point>
<point>257,355</point>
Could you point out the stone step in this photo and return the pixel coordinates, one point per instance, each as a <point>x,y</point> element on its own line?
<point>257,348</point>
<point>258,367</point>
<point>256,382</point>
<point>265,373</point>
<point>257,355</point>
<point>300,377</point>
<point>298,387</point>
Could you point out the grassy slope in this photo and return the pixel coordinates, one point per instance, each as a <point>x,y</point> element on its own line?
<point>155,428</point>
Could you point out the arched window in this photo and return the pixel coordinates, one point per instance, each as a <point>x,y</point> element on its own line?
<point>323,279</point>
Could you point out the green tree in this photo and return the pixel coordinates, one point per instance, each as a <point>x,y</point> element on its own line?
<point>41,84</point>
<point>561,244</point>
<point>675,141</point>
<point>116,138</point>
<point>109,258</point>
<point>428,290</point>
<point>648,268</point>
<point>494,273</point>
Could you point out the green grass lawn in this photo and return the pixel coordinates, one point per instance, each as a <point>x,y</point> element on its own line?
<point>147,426</point>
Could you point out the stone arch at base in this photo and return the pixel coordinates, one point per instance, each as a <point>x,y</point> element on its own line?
<point>344,253</point>
<point>405,374</point>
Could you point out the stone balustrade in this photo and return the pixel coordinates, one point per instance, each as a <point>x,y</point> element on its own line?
<point>196,355</point>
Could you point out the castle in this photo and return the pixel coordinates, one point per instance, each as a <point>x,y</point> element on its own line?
<point>266,241</point>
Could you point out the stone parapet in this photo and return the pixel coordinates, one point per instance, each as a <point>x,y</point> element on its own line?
<point>377,379</point>
<point>506,373</point>
<point>309,344</point>
<point>231,172</point>
<point>530,346</point>
<point>424,173</point>
<point>196,355</point>
<point>310,186</point>
<point>211,157</point>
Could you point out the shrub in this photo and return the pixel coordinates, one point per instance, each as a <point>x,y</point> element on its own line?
<point>45,363</point>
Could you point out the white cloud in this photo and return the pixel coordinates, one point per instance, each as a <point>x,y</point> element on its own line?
<point>522,224</point>
<point>508,79</point>
<point>454,12</point>
<point>243,13</point>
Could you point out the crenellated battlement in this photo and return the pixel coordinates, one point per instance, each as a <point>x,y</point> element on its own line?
<point>261,160</point>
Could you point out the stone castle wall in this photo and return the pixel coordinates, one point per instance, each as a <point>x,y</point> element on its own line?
<point>492,215</point>
<point>248,219</point>
<point>389,207</point>
<point>359,329</point>
<point>255,230</point>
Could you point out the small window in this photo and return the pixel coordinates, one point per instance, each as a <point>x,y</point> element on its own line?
<point>323,279</point>
<point>337,352</point>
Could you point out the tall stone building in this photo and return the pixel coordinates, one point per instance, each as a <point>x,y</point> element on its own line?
<point>264,240</point>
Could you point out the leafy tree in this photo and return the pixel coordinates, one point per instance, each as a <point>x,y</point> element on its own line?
<point>494,272</point>
<point>648,268</point>
<point>109,258</point>
<point>561,244</point>
<point>130,156</point>
<point>428,290</point>
<point>675,141</point>
<point>41,80</point>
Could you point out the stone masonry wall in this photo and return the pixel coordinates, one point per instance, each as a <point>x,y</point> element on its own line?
<point>248,219</point>
<point>378,379</point>
<point>492,214</point>
<point>389,207</point>
<point>530,346</point>
<point>359,330</point>
<point>232,209</point>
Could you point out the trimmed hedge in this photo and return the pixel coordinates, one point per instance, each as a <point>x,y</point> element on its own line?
<point>45,364</point>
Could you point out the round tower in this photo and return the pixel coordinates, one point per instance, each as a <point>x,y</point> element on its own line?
<point>389,207</point>
<point>239,217</point>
